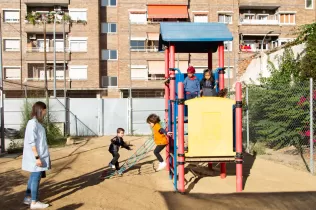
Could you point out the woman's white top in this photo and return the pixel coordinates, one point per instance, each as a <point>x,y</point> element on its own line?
<point>35,135</point>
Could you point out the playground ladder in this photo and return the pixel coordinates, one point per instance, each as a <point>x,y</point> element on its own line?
<point>136,157</point>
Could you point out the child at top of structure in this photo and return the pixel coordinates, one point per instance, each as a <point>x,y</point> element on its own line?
<point>223,93</point>
<point>160,138</point>
<point>208,84</point>
<point>114,148</point>
<point>191,84</point>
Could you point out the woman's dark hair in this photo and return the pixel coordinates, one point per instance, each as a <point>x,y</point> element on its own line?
<point>211,74</point>
<point>153,118</point>
<point>222,92</point>
<point>37,110</point>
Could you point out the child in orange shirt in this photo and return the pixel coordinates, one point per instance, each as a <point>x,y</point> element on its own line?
<point>160,138</point>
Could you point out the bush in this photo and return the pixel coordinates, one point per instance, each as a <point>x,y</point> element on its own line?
<point>53,133</point>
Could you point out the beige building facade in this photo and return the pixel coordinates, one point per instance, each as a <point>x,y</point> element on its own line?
<point>112,45</point>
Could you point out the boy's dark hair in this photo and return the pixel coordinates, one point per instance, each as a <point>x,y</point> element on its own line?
<point>153,118</point>
<point>119,130</point>
<point>37,110</point>
<point>222,92</point>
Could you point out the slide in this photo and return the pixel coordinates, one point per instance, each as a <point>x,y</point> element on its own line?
<point>136,157</point>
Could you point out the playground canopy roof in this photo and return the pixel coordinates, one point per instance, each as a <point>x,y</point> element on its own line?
<point>193,37</point>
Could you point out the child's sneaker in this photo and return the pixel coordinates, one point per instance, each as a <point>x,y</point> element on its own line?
<point>119,173</point>
<point>111,166</point>
<point>161,166</point>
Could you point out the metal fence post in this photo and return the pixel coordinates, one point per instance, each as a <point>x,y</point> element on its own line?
<point>247,118</point>
<point>311,136</point>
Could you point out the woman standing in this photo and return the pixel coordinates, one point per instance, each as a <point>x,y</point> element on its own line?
<point>36,158</point>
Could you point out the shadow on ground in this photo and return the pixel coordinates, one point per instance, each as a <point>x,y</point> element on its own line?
<point>49,189</point>
<point>201,170</point>
<point>262,201</point>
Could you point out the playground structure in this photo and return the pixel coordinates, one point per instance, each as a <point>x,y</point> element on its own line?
<point>214,124</point>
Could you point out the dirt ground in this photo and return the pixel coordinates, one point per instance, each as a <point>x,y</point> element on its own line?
<point>291,157</point>
<point>73,183</point>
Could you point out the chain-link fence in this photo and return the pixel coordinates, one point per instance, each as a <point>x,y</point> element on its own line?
<point>279,122</point>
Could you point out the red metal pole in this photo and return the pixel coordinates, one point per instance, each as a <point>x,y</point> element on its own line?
<point>166,102</point>
<point>210,66</point>
<point>221,86</point>
<point>172,87</point>
<point>221,65</point>
<point>239,161</point>
<point>223,170</point>
<point>181,137</point>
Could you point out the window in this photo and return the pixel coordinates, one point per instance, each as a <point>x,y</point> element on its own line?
<point>42,74</point>
<point>200,18</point>
<point>229,71</point>
<point>78,14</point>
<point>287,18</point>
<point>263,17</point>
<point>109,55</point>
<point>108,28</point>
<point>138,17</point>
<point>139,72</point>
<point>249,16</point>
<point>109,81</point>
<point>224,18</point>
<point>137,45</point>
<point>11,44</point>
<point>59,45</point>
<point>228,45</point>
<point>11,16</point>
<point>78,72</point>
<point>309,4</point>
<point>105,3</point>
<point>59,74</point>
<point>40,45</point>
<point>12,73</point>
<point>78,44</point>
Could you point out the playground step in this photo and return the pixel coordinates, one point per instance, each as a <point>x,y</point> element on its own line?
<point>136,157</point>
<point>210,159</point>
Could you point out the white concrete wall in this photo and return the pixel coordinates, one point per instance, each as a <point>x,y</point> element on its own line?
<point>260,65</point>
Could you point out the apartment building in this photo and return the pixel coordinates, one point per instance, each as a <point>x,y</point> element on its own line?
<point>112,45</point>
<point>23,46</point>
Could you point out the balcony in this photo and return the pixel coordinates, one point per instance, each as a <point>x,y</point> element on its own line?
<point>34,21</point>
<point>39,28</point>
<point>37,54</point>
<point>259,4</point>
<point>46,2</point>
<point>144,48</point>
<point>258,22</point>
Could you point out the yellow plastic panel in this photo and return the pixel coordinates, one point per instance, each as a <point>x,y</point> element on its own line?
<point>210,127</point>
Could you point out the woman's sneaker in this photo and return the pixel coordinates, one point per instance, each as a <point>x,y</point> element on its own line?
<point>161,166</point>
<point>39,205</point>
<point>27,201</point>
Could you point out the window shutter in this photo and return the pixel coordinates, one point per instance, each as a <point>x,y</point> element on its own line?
<point>12,73</point>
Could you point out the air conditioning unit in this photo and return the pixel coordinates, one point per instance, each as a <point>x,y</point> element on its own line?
<point>33,37</point>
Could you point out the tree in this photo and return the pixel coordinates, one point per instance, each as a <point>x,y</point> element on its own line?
<point>276,117</point>
<point>307,35</point>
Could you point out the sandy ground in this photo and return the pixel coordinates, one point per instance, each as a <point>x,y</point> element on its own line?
<point>73,183</point>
